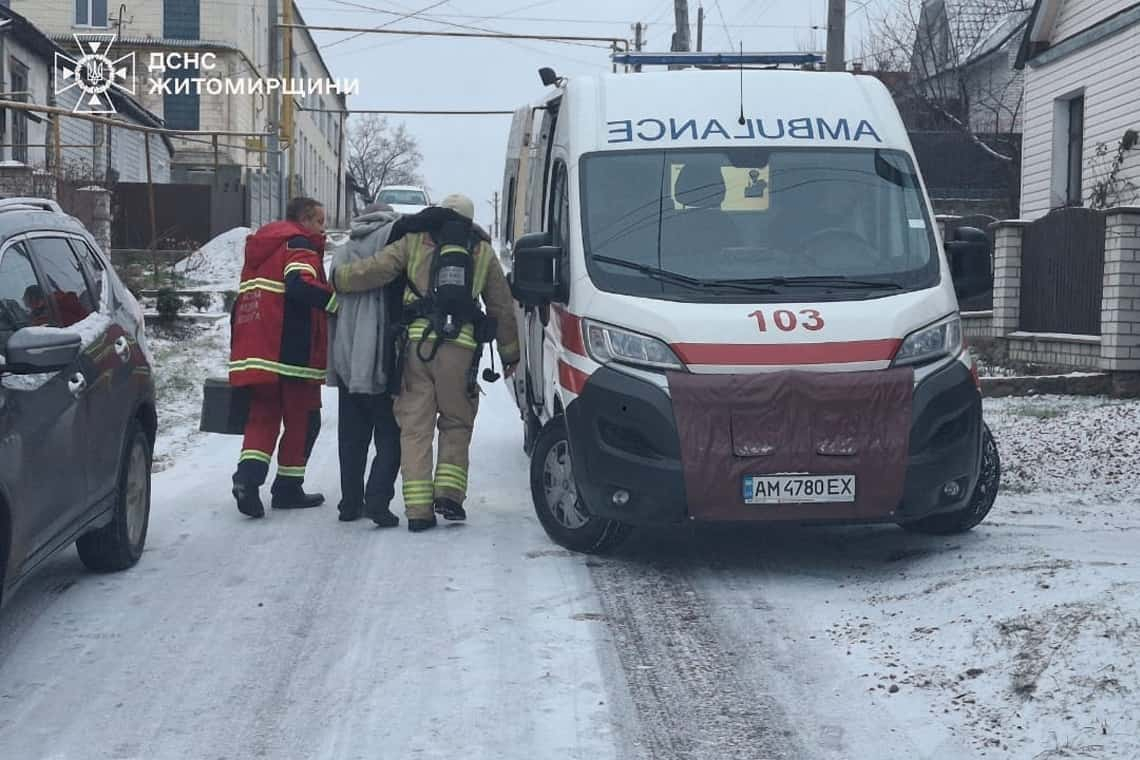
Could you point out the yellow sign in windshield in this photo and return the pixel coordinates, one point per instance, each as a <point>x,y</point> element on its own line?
<point>745,189</point>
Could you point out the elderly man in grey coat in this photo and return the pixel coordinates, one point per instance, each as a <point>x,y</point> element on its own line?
<point>362,366</point>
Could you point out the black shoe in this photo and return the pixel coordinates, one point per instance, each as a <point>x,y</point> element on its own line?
<point>418,525</point>
<point>383,517</point>
<point>349,512</point>
<point>248,500</point>
<point>450,510</point>
<point>296,498</point>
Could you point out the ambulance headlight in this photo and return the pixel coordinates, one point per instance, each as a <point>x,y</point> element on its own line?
<point>607,344</point>
<point>931,343</point>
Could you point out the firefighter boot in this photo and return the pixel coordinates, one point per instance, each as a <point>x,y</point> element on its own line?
<point>419,525</point>
<point>248,498</point>
<point>288,494</point>
<point>450,510</point>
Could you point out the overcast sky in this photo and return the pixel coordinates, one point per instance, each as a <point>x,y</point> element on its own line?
<point>466,154</point>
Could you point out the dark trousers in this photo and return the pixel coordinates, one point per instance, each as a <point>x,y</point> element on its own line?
<point>364,419</point>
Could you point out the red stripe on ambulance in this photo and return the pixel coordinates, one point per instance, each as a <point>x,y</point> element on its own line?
<point>572,378</point>
<point>571,328</point>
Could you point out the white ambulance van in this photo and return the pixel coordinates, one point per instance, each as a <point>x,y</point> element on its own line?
<point>735,305</point>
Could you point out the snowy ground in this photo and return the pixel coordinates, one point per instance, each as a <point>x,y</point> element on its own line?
<point>300,637</point>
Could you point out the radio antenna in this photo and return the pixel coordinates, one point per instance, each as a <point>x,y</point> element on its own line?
<point>741,120</point>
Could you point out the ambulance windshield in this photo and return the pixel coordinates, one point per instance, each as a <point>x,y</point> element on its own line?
<point>820,222</point>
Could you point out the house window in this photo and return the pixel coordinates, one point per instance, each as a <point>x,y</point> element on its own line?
<point>91,13</point>
<point>180,108</point>
<point>18,82</point>
<point>181,19</point>
<point>1075,139</point>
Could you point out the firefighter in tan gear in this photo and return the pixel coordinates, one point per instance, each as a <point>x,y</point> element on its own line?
<point>449,266</point>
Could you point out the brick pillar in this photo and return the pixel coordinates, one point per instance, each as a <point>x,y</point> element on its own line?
<point>1120,304</point>
<point>100,200</point>
<point>1007,276</point>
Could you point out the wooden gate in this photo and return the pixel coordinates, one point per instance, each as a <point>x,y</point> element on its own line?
<point>1062,272</point>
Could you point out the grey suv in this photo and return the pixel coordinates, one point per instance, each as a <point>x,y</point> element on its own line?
<point>77,414</point>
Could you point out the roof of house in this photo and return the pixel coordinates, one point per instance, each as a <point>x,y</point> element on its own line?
<point>47,49</point>
<point>978,27</point>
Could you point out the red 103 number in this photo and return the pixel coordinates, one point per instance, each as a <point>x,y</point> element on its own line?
<point>786,320</point>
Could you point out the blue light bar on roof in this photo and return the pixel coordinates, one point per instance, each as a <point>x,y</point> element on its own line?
<point>715,59</point>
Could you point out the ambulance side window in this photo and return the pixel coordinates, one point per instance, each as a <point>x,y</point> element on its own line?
<point>559,206</point>
<point>560,220</point>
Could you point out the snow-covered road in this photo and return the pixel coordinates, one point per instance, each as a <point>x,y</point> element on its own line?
<point>301,637</point>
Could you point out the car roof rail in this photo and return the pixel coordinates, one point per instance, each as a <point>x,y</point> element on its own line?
<point>24,204</point>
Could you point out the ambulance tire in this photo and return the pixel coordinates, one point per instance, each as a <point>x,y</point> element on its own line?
<point>594,535</point>
<point>989,479</point>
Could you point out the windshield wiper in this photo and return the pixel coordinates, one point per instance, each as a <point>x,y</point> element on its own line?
<point>676,278</point>
<point>830,281</point>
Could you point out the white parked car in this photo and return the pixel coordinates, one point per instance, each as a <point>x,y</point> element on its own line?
<point>406,199</point>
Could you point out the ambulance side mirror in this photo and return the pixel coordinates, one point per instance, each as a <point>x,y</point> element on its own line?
<point>535,273</point>
<point>971,262</point>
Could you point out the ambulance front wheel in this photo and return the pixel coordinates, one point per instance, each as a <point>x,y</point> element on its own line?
<point>558,504</point>
<point>980,504</point>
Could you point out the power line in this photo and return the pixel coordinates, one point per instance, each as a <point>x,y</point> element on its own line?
<point>725,24</point>
<point>389,23</point>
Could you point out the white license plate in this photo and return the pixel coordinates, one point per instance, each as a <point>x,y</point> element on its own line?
<point>798,489</point>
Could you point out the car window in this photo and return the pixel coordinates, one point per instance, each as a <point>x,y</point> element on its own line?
<point>22,302</point>
<point>94,267</point>
<point>64,281</point>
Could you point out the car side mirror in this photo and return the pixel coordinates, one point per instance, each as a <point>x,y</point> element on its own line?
<point>40,349</point>
<point>536,274</point>
<point>971,262</point>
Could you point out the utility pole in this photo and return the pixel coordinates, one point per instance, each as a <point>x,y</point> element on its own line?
<point>287,129</point>
<point>681,22</point>
<point>495,219</point>
<point>637,40</point>
<point>836,32</point>
<point>700,28</point>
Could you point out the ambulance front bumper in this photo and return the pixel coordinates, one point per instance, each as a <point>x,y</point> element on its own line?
<point>627,456</point>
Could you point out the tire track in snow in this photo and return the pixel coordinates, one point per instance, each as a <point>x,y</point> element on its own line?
<point>690,699</point>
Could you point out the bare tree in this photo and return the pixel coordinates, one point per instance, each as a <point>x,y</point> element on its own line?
<point>380,154</point>
<point>958,54</point>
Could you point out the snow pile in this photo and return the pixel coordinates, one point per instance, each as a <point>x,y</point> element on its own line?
<point>218,263</point>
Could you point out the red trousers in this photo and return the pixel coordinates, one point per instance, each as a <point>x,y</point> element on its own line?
<point>295,403</point>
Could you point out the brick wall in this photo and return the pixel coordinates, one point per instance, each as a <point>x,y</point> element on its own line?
<point>1120,306</point>
<point>1028,348</point>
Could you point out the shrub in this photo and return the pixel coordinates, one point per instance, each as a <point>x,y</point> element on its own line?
<point>200,300</point>
<point>169,305</point>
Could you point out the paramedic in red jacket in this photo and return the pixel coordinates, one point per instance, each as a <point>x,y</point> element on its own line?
<point>278,349</point>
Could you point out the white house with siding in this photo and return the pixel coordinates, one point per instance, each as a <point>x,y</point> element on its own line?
<point>1079,59</point>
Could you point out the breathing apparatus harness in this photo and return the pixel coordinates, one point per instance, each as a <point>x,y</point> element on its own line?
<point>450,302</point>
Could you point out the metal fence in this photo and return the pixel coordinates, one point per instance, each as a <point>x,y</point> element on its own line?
<point>263,197</point>
<point>1062,272</point>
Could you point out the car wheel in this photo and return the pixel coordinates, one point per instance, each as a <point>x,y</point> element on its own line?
<point>119,544</point>
<point>558,504</point>
<point>982,501</point>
